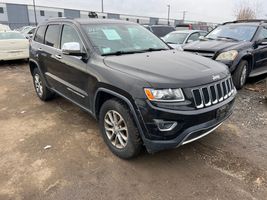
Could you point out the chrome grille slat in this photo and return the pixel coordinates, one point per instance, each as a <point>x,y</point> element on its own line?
<point>213,93</point>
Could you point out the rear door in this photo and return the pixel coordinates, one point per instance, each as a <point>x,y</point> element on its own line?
<point>50,55</point>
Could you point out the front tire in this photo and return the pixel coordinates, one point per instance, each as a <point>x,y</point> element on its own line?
<point>119,130</point>
<point>40,88</point>
<point>240,74</point>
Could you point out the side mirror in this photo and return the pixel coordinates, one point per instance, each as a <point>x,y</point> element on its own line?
<point>262,42</point>
<point>189,41</point>
<point>201,37</point>
<point>72,49</point>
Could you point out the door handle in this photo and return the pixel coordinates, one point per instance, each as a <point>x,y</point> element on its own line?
<point>58,56</point>
<point>39,49</point>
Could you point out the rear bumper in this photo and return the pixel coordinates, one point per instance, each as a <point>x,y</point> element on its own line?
<point>14,55</point>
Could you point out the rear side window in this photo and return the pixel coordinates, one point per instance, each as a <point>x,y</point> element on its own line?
<point>52,35</point>
<point>39,36</point>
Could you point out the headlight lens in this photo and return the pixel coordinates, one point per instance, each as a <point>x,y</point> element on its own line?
<point>164,95</point>
<point>228,55</point>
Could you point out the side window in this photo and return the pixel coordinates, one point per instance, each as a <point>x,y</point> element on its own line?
<point>39,36</point>
<point>193,37</point>
<point>263,33</point>
<point>51,36</point>
<point>203,33</point>
<point>69,34</point>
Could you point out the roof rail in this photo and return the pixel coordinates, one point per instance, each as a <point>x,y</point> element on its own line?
<point>247,20</point>
<point>55,18</point>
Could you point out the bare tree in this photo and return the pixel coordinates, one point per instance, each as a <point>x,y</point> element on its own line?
<point>247,10</point>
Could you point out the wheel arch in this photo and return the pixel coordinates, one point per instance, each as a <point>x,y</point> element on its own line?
<point>103,94</point>
<point>34,64</point>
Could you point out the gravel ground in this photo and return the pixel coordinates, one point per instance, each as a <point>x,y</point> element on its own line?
<point>230,163</point>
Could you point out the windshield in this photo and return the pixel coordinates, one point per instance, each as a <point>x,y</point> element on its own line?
<point>110,39</point>
<point>10,35</point>
<point>175,38</point>
<point>235,32</point>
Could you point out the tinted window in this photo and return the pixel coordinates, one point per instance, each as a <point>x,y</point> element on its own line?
<point>193,37</point>
<point>39,36</point>
<point>161,31</point>
<point>1,10</point>
<point>42,13</point>
<point>69,34</point>
<point>203,33</point>
<point>59,14</point>
<point>263,34</point>
<point>51,36</point>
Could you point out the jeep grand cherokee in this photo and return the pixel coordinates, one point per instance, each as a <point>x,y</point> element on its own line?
<point>141,91</point>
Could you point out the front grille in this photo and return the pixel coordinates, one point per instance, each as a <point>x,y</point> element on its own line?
<point>213,93</point>
<point>207,54</point>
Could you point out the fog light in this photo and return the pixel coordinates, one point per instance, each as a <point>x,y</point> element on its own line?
<point>165,125</point>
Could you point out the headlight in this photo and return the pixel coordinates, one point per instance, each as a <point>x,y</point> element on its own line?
<point>228,55</point>
<point>164,95</point>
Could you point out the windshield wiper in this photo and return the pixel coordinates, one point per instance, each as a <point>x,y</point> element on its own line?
<point>154,49</point>
<point>228,38</point>
<point>117,53</point>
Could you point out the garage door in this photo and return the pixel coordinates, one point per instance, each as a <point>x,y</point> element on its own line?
<point>72,13</point>
<point>17,15</point>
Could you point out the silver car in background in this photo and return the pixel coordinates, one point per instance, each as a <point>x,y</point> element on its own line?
<point>177,39</point>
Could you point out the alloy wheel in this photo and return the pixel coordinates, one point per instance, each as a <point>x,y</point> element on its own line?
<point>243,75</point>
<point>116,129</point>
<point>38,85</point>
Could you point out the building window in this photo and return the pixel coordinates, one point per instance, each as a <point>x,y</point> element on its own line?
<point>1,10</point>
<point>42,13</point>
<point>137,20</point>
<point>127,19</point>
<point>59,14</point>
<point>104,17</point>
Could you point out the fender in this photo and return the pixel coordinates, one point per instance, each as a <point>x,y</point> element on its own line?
<point>242,55</point>
<point>38,66</point>
<point>127,101</point>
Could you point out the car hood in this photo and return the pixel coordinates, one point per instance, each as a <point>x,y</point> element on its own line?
<point>212,45</point>
<point>165,69</point>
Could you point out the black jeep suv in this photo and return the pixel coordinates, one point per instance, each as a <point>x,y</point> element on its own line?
<point>242,45</point>
<point>141,91</point>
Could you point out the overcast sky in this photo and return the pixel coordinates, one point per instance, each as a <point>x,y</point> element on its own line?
<point>199,10</point>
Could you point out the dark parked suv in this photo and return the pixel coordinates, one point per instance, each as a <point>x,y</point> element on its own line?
<point>141,91</point>
<point>242,45</point>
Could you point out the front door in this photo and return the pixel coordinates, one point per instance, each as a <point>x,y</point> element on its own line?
<point>260,54</point>
<point>73,69</point>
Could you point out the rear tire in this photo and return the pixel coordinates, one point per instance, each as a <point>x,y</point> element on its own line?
<point>40,87</point>
<point>240,74</point>
<point>119,130</point>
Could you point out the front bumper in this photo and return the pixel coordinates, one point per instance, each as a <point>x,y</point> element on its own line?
<point>192,124</point>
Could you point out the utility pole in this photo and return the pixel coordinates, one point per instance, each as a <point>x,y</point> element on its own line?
<point>102,6</point>
<point>34,13</point>
<point>169,9</point>
<point>184,13</point>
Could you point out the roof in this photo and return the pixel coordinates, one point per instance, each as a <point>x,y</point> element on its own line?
<point>188,31</point>
<point>88,21</point>
<point>249,21</point>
